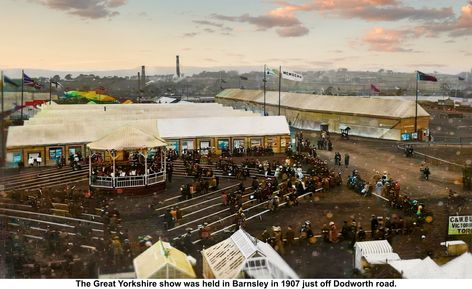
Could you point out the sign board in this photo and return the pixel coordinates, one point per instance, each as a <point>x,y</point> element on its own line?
<point>460,225</point>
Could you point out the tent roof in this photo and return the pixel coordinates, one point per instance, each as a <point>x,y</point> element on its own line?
<point>365,106</point>
<point>126,138</point>
<point>223,126</point>
<point>381,258</point>
<point>459,267</point>
<point>374,247</point>
<point>417,268</point>
<point>228,258</point>
<point>157,257</point>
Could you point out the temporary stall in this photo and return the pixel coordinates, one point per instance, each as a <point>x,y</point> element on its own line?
<point>162,261</point>
<point>242,255</point>
<point>373,252</point>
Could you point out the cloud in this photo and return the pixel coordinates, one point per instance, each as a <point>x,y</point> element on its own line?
<point>190,34</point>
<point>212,27</point>
<point>292,31</point>
<point>91,9</point>
<point>369,10</point>
<point>457,27</point>
<point>208,23</point>
<point>287,26</point>
<point>386,40</point>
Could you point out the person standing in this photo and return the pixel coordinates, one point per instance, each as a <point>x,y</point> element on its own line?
<point>346,160</point>
<point>374,224</point>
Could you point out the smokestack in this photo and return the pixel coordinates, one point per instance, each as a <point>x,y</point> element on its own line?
<point>139,82</point>
<point>177,66</point>
<point>143,75</point>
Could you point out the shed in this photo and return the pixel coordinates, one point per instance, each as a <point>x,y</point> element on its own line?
<point>242,255</point>
<point>162,261</point>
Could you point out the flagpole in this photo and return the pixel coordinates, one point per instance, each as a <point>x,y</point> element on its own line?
<point>265,81</point>
<point>50,91</point>
<point>416,103</point>
<point>3,119</point>
<point>22,94</point>
<point>280,84</point>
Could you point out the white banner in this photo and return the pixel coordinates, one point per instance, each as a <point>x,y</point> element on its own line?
<point>290,75</point>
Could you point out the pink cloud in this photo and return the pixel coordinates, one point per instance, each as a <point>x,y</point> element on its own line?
<point>370,10</point>
<point>386,40</point>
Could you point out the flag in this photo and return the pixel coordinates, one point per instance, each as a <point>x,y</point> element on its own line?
<point>290,75</point>
<point>30,82</point>
<point>56,83</point>
<point>271,72</point>
<point>422,76</point>
<point>461,78</point>
<point>374,88</point>
<point>9,81</point>
<point>243,77</point>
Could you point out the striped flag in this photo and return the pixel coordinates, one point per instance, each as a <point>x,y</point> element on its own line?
<point>30,82</point>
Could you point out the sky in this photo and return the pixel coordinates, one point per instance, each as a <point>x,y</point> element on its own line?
<point>401,35</point>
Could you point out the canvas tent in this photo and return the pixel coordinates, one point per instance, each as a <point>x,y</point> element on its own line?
<point>366,116</point>
<point>372,252</point>
<point>242,255</point>
<point>162,261</point>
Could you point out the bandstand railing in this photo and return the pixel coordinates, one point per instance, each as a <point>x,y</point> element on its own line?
<point>130,181</point>
<point>156,178</point>
<point>99,181</point>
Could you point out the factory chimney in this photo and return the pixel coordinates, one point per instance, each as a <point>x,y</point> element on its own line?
<point>143,76</point>
<point>177,66</point>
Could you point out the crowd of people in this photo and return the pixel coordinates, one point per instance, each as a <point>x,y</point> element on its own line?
<point>70,250</point>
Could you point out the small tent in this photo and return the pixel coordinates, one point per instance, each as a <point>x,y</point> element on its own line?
<point>373,252</point>
<point>162,261</point>
<point>242,255</point>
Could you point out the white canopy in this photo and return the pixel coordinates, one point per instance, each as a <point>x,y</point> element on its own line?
<point>127,138</point>
<point>222,126</point>
<point>244,253</point>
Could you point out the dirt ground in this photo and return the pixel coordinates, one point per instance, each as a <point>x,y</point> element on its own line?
<point>367,156</point>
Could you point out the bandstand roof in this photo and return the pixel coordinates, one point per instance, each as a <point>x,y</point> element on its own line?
<point>127,138</point>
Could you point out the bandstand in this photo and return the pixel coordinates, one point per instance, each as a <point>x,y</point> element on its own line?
<point>127,159</point>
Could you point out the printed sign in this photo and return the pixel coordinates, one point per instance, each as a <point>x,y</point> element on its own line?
<point>460,225</point>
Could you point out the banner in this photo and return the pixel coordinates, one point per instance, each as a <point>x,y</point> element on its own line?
<point>290,75</point>
<point>460,225</point>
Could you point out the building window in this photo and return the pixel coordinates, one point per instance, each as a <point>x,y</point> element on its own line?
<point>223,144</point>
<point>17,157</point>
<point>256,142</point>
<point>238,143</point>
<point>55,153</point>
<point>174,144</point>
<point>187,145</point>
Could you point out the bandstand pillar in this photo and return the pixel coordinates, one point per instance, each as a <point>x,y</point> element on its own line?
<point>145,167</point>
<point>90,167</point>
